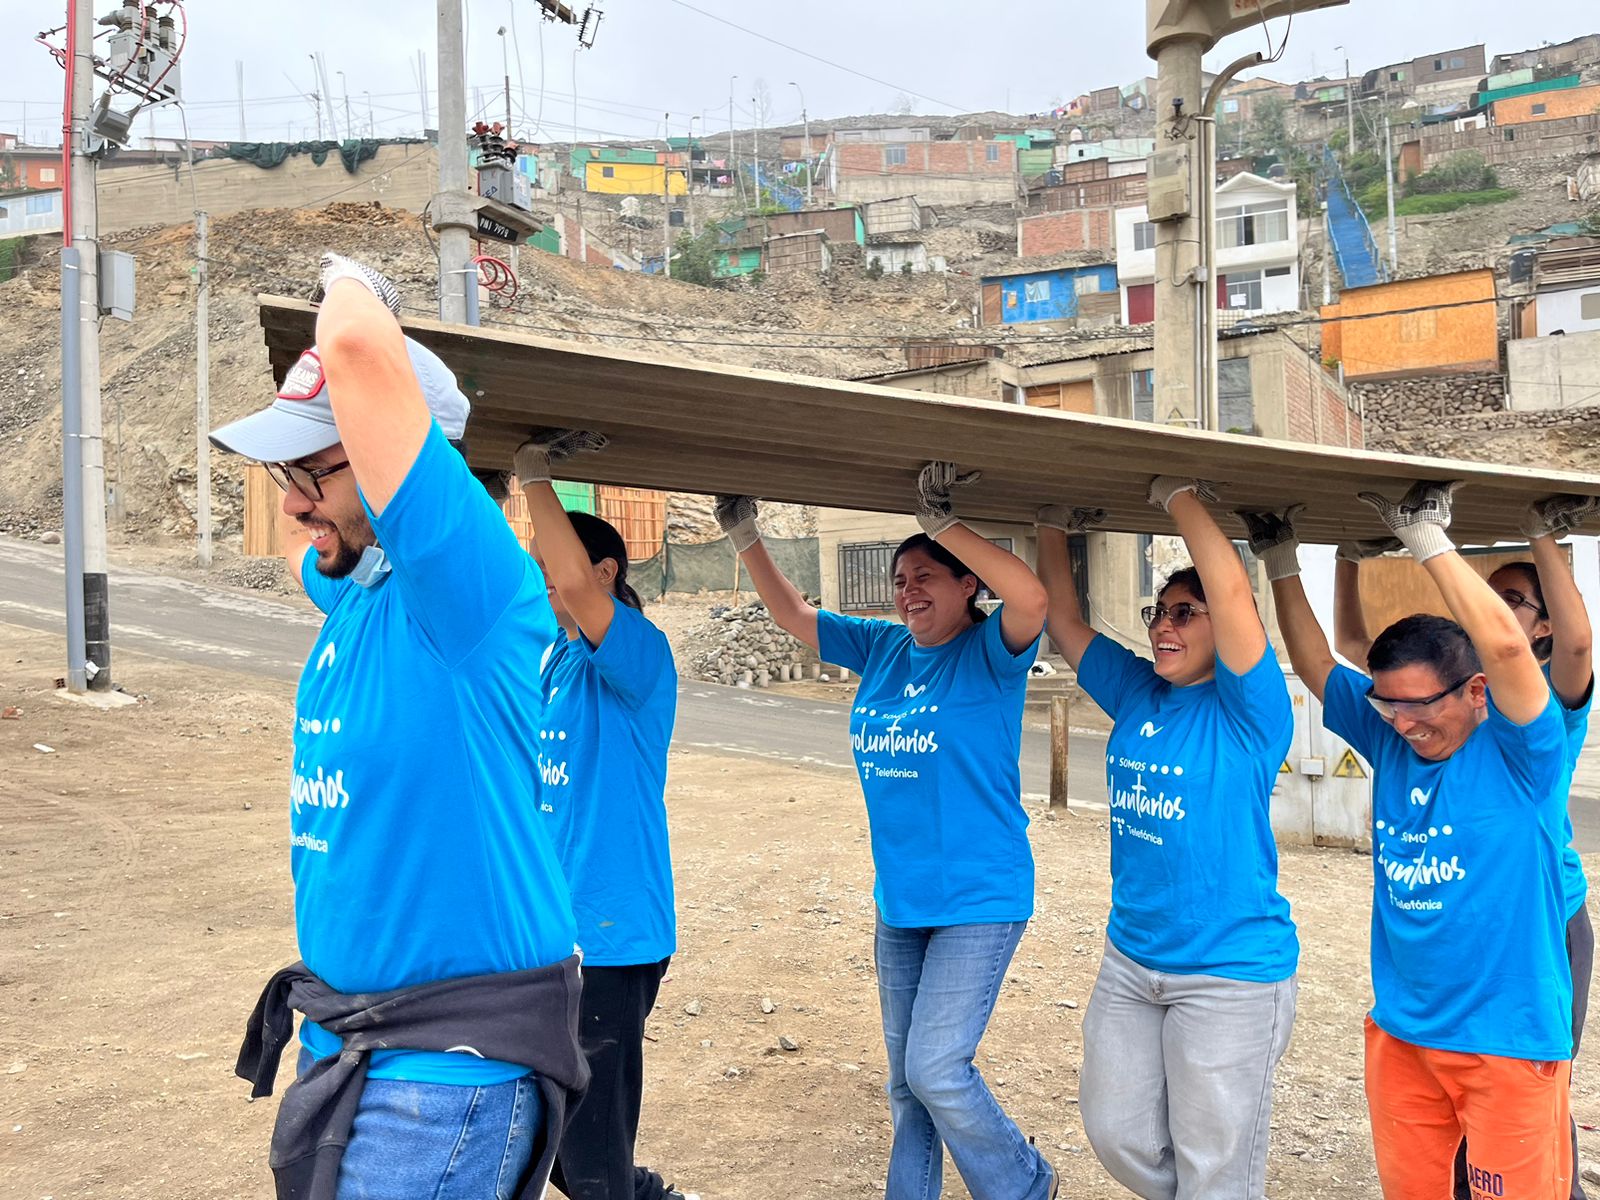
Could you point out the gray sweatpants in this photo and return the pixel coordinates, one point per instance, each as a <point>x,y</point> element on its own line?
<point>1176,1089</point>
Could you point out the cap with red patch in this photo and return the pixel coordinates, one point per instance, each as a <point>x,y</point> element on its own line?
<point>300,421</point>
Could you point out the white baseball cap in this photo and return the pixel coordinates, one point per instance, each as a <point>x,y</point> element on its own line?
<point>300,421</point>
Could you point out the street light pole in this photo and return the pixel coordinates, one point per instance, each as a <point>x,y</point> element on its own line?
<point>805,120</point>
<point>733,159</point>
<point>344,86</point>
<point>1349,105</point>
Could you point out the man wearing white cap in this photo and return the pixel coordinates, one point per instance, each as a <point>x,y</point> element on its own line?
<point>438,978</point>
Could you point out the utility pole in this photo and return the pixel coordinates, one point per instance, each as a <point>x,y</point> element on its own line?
<point>1388,174</point>
<point>805,121</point>
<point>453,215</point>
<point>1183,184</point>
<point>322,78</point>
<point>505,65</point>
<point>202,392</point>
<point>93,668</point>
<point>344,86</point>
<point>733,159</point>
<point>372,127</point>
<point>688,195</point>
<point>755,148</point>
<point>1349,105</point>
<point>422,84</point>
<point>666,198</point>
<point>238,75</point>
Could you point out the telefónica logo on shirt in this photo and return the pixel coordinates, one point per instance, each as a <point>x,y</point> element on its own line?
<point>1149,729</point>
<point>896,738</point>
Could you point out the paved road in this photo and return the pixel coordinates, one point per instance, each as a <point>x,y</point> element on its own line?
<point>215,627</point>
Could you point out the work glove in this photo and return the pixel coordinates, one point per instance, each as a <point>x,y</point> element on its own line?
<point>737,516</point>
<point>1273,541</point>
<point>1068,519</point>
<point>1420,519</point>
<point>1365,548</point>
<point>1164,487</point>
<point>542,451</point>
<point>1558,516</point>
<point>934,511</point>
<point>336,267</point>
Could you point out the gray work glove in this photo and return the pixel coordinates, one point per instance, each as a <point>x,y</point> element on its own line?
<point>1558,516</point>
<point>336,267</point>
<point>934,511</point>
<point>737,516</point>
<point>1365,548</point>
<point>1420,519</point>
<point>1164,487</point>
<point>1069,519</point>
<point>542,451</point>
<point>1273,541</point>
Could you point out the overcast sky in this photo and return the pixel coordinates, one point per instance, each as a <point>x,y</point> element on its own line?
<point>652,57</point>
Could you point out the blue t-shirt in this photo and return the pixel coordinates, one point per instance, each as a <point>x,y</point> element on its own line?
<point>1190,770</point>
<point>937,732</point>
<point>1575,885</point>
<point>416,847</point>
<point>1468,929</point>
<point>602,775</point>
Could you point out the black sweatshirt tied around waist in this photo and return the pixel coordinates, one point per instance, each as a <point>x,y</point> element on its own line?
<point>525,1017</point>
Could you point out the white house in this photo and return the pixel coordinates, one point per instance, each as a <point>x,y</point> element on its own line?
<point>30,212</point>
<point>1258,251</point>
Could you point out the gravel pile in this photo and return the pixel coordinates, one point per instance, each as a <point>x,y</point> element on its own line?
<point>743,646</point>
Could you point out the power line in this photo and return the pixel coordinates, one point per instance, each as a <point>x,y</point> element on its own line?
<point>818,58</point>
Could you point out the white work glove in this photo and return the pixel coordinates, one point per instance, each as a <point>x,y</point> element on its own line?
<point>1420,519</point>
<point>1164,487</point>
<point>1068,519</point>
<point>539,453</point>
<point>934,511</point>
<point>737,516</point>
<point>1365,548</point>
<point>336,267</point>
<point>1558,516</point>
<point>1273,541</point>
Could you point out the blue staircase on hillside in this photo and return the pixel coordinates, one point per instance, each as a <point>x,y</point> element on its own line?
<point>1353,246</point>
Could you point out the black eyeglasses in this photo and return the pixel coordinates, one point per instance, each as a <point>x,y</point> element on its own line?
<point>1415,709</point>
<point>303,479</point>
<point>1515,600</point>
<point>1181,614</point>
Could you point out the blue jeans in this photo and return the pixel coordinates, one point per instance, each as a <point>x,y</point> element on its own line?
<point>937,988</point>
<point>442,1141</point>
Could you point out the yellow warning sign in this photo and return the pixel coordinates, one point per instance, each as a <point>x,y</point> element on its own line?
<point>1284,770</point>
<point>1349,767</point>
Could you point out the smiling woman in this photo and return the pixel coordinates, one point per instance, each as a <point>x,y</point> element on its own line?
<point>936,731</point>
<point>1196,994</point>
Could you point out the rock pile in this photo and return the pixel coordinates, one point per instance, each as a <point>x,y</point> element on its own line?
<point>743,646</point>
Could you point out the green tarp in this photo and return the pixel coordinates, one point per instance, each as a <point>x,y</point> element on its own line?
<point>352,152</point>
<point>708,567</point>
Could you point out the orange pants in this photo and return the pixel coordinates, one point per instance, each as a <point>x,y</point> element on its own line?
<point>1513,1113</point>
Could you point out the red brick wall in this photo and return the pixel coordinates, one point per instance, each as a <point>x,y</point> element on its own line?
<point>1054,233</point>
<point>963,159</point>
<point>1302,407</point>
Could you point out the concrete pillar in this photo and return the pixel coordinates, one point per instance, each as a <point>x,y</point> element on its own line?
<point>1177,242</point>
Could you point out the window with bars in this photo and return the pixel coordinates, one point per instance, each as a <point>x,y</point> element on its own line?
<point>864,583</point>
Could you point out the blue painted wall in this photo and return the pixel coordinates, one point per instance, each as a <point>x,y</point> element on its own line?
<point>1060,299</point>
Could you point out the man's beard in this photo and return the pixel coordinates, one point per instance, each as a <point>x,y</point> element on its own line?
<point>352,543</point>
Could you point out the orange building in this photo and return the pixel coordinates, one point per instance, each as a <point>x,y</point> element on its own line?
<point>1435,325</point>
<point>1547,106</point>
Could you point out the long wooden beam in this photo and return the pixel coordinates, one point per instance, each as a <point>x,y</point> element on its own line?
<point>691,426</point>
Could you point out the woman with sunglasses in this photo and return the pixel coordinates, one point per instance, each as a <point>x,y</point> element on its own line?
<point>1545,600</point>
<point>936,728</point>
<point>1195,999</point>
<point>1470,1030</point>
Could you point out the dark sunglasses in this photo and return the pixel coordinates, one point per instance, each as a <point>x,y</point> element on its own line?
<point>1515,600</point>
<point>1181,614</point>
<point>1415,709</point>
<point>303,479</point>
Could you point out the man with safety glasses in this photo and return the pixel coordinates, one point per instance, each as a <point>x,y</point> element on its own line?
<point>1470,1029</point>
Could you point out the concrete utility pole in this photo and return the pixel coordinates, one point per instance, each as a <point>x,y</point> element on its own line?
<point>453,215</point>
<point>202,393</point>
<point>1349,105</point>
<point>805,121</point>
<point>505,66</point>
<point>344,86</point>
<point>85,236</point>
<point>238,75</point>
<point>1388,174</point>
<point>1182,187</point>
<point>733,159</point>
<point>755,148</point>
<point>666,198</point>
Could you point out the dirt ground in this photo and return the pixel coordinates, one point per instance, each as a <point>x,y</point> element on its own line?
<point>145,898</point>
